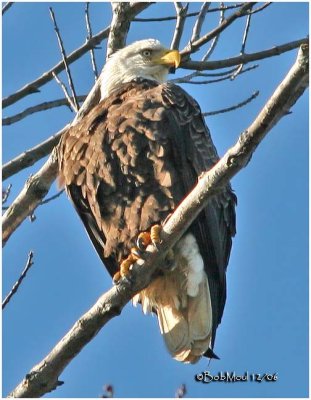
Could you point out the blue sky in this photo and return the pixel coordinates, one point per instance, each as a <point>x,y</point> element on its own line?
<point>265,323</point>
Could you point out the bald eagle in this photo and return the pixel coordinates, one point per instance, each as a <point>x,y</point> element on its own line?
<point>127,165</point>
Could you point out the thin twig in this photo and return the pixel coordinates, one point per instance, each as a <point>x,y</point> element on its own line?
<point>17,284</point>
<point>7,6</point>
<point>215,39</point>
<point>235,107</point>
<point>89,36</point>
<point>225,76</point>
<point>6,193</point>
<point>258,9</point>
<point>52,197</point>
<point>47,105</point>
<point>71,103</point>
<point>47,76</point>
<point>245,34</point>
<point>64,56</point>
<point>239,69</point>
<point>44,376</point>
<point>196,30</point>
<point>180,23</point>
<point>194,14</point>
<point>244,58</point>
<point>195,46</point>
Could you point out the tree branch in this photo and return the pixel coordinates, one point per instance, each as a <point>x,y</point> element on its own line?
<point>213,45</point>
<point>194,14</point>
<point>6,193</point>
<point>64,56</point>
<point>29,157</point>
<point>244,58</point>
<point>181,13</point>
<point>123,14</point>
<point>33,86</point>
<point>232,108</point>
<point>196,30</point>
<point>44,376</point>
<point>89,36</point>
<point>198,74</point>
<point>17,284</point>
<point>47,105</point>
<point>36,187</point>
<point>72,103</point>
<point>195,46</point>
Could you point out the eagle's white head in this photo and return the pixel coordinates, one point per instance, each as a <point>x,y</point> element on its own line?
<point>147,59</point>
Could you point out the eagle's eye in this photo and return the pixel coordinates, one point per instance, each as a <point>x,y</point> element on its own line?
<point>146,53</point>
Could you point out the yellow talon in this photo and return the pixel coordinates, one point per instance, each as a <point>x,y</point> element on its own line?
<point>143,240</point>
<point>155,233</point>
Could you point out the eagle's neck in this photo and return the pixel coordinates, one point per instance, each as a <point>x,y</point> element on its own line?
<point>114,75</point>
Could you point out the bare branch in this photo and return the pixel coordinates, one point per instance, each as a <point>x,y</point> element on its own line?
<point>198,74</point>
<point>63,52</point>
<point>194,14</point>
<point>44,376</point>
<point>181,13</point>
<point>17,284</point>
<point>6,193</point>
<point>245,34</point>
<point>244,58</point>
<point>47,105</point>
<point>33,86</point>
<point>239,69</point>
<point>123,14</point>
<point>29,157</point>
<point>36,187</point>
<point>71,103</point>
<point>215,39</point>
<point>52,197</point>
<point>89,36</point>
<point>258,9</point>
<point>235,107</point>
<point>7,6</point>
<point>195,46</point>
<point>196,31</point>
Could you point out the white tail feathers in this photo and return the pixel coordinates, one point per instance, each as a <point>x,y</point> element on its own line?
<point>187,331</point>
<point>185,319</point>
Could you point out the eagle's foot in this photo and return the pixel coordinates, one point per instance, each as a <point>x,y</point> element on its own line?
<point>144,239</point>
<point>126,264</point>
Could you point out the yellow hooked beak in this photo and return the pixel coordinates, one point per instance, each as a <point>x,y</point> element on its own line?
<point>170,58</point>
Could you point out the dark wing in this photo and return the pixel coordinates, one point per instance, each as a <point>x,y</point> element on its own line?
<point>130,162</point>
<point>215,226</point>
